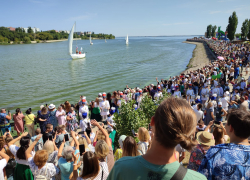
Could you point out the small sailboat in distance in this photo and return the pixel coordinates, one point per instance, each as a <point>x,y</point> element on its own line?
<point>77,55</point>
<point>127,40</point>
<point>105,40</point>
<point>90,40</point>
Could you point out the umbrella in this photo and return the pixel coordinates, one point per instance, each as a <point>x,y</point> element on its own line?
<point>220,58</point>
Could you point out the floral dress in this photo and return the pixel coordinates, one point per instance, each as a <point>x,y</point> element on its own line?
<point>72,124</point>
<point>196,158</point>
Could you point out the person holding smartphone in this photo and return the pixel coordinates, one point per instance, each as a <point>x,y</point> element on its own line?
<point>47,133</point>
<point>65,156</point>
<point>5,120</point>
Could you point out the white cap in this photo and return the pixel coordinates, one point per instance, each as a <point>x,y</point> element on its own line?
<point>220,103</point>
<point>100,94</point>
<point>214,95</point>
<point>41,106</point>
<point>113,108</point>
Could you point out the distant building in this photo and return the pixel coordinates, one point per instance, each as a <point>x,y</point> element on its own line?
<point>11,28</point>
<point>79,33</point>
<point>88,32</point>
<point>35,30</point>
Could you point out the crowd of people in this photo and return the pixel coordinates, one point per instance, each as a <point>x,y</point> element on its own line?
<point>207,116</point>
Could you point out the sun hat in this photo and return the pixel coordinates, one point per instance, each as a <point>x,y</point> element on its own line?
<point>100,94</point>
<point>121,139</point>
<point>51,106</point>
<point>205,138</point>
<point>41,106</point>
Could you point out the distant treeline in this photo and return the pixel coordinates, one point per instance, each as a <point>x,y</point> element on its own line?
<point>19,34</point>
<point>6,35</point>
<point>99,36</point>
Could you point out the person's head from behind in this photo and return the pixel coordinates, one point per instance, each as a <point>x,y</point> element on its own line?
<point>199,106</point>
<point>174,123</point>
<point>18,110</point>
<point>90,165</point>
<point>82,140</point>
<point>101,149</point>
<point>67,153</point>
<point>38,131</point>
<point>218,134</point>
<point>49,147</point>
<point>24,145</point>
<point>28,111</point>
<point>61,128</point>
<point>44,110</point>
<point>49,127</point>
<point>143,134</point>
<point>41,158</point>
<point>129,147</point>
<point>238,124</point>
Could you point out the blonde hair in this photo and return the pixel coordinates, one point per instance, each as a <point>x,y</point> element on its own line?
<point>97,101</point>
<point>49,147</point>
<point>81,141</point>
<point>209,105</point>
<point>100,135</point>
<point>41,158</point>
<point>101,149</point>
<point>143,134</point>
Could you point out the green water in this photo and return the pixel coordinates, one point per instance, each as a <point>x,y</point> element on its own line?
<point>35,74</point>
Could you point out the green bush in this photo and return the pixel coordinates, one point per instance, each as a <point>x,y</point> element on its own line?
<point>37,41</point>
<point>129,118</point>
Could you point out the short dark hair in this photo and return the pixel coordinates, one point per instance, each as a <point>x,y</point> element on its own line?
<point>48,125</point>
<point>240,122</point>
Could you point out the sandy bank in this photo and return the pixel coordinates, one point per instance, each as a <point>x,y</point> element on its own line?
<point>201,56</point>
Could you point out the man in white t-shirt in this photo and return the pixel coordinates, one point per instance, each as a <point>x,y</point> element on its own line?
<point>3,163</point>
<point>199,113</point>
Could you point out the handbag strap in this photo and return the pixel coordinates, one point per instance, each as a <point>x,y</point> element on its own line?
<point>102,172</point>
<point>180,173</point>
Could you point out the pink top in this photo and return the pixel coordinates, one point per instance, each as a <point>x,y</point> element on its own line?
<point>61,119</point>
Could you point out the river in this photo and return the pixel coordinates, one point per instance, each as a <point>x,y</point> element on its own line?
<point>35,74</point>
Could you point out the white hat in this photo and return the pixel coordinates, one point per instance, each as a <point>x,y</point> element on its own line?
<point>100,94</point>
<point>113,108</point>
<point>219,103</point>
<point>52,106</point>
<point>227,93</point>
<point>41,106</point>
<point>214,95</point>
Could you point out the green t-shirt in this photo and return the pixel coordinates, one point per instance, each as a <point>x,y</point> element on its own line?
<point>137,168</point>
<point>112,137</point>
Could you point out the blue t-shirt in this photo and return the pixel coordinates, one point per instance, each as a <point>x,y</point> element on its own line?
<point>66,167</point>
<point>237,71</point>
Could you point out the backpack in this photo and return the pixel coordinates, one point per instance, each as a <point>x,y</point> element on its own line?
<point>41,177</point>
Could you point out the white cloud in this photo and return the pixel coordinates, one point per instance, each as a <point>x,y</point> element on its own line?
<point>87,16</point>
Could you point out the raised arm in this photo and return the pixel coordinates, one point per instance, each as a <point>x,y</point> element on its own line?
<point>4,156</point>
<point>95,123</point>
<point>17,139</point>
<point>87,138</point>
<point>224,130</point>
<point>73,134</point>
<point>28,151</point>
<point>209,125</point>
<point>61,149</point>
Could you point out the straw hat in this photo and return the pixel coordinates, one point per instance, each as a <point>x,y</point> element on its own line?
<point>205,138</point>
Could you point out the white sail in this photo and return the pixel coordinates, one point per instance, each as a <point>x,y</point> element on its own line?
<point>127,40</point>
<point>70,39</point>
<point>90,39</point>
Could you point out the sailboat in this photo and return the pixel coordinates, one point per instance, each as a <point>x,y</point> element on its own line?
<point>105,40</point>
<point>127,40</point>
<point>70,39</point>
<point>90,40</point>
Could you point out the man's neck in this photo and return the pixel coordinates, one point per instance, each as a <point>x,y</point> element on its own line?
<point>237,140</point>
<point>159,155</point>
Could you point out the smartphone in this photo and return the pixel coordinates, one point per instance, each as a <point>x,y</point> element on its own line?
<point>50,137</point>
<point>149,127</point>
<point>66,137</point>
<point>133,132</point>
<point>8,111</point>
<point>82,149</point>
<point>7,130</point>
<point>105,122</point>
<point>88,124</point>
<point>217,122</point>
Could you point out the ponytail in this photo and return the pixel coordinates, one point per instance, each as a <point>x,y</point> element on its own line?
<point>24,142</point>
<point>18,111</point>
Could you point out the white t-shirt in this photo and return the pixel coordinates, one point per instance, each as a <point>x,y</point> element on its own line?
<point>199,114</point>
<point>3,163</point>
<point>83,124</point>
<point>13,149</point>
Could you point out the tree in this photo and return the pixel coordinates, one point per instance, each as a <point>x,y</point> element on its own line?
<point>26,40</point>
<point>248,34</point>
<point>232,25</point>
<point>30,30</point>
<point>213,31</point>
<point>209,31</point>
<point>245,29</point>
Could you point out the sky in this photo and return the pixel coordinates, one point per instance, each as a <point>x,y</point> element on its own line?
<point>122,17</point>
